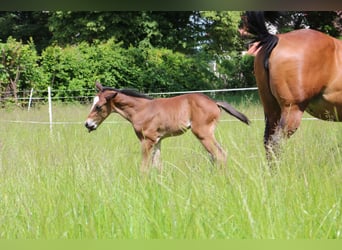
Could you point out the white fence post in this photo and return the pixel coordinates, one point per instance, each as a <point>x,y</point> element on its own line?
<point>30,100</point>
<point>50,108</point>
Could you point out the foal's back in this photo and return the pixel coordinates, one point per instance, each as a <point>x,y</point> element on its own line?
<point>188,105</point>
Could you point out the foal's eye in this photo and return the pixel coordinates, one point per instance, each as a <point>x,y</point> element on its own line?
<point>98,108</point>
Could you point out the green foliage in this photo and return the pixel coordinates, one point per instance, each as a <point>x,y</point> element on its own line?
<point>164,70</point>
<point>76,68</point>
<point>73,70</point>
<point>26,26</point>
<point>182,31</point>
<point>328,22</point>
<point>133,28</point>
<point>146,50</point>
<point>221,31</point>
<point>19,65</point>
<point>237,70</point>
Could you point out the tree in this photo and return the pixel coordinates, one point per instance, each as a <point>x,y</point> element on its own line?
<point>182,31</point>
<point>175,31</point>
<point>26,25</point>
<point>19,67</point>
<point>133,28</point>
<point>328,22</point>
<point>221,31</point>
<point>69,27</point>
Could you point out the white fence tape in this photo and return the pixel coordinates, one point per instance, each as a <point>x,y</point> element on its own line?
<point>114,122</point>
<point>123,122</point>
<point>30,98</point>
<point>203,91</point>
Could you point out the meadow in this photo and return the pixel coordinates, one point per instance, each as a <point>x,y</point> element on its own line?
<point>69,184</point>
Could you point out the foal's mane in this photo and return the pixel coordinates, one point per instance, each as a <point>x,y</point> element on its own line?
<point>129,92</point>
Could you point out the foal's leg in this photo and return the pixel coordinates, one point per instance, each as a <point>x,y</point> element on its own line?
<point>150,154</point>
<point>214,149</point>
<point>156,156</point>
<point>146,149</point>
<point>206,136</point>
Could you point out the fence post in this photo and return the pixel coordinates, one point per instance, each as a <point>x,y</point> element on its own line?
<point>30,100</point>
<point>50,108</point>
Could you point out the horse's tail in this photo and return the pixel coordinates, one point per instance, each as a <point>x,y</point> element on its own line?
<point>256,26</point>
<point>232,111</point>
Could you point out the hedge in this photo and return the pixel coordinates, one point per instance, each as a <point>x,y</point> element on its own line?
<point>73,70</point>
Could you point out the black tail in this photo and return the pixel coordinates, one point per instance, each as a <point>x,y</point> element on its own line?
<point>256,26</point>
<point>232,111</point>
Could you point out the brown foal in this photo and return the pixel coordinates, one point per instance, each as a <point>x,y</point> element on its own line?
<point>156,119</point>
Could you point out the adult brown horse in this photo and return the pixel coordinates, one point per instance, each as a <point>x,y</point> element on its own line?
<point>155,119</point>
<point>296,71</point>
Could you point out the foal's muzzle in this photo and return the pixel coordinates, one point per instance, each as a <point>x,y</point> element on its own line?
<point>90,125</point>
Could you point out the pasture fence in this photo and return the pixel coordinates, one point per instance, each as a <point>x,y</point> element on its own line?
<point>27,98</point>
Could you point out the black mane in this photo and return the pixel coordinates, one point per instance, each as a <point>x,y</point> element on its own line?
<point>129,92</point>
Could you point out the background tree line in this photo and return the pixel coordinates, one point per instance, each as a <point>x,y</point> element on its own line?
<point>146,50</point>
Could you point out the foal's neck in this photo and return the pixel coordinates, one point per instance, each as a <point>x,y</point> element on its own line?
<point>128,106</point>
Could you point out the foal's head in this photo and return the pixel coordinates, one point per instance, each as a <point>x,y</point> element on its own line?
<point>101,109</point>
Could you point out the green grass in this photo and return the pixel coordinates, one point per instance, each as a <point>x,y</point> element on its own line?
<point>70,184</point>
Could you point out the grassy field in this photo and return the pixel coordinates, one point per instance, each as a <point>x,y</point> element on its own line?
<point>69,184</point>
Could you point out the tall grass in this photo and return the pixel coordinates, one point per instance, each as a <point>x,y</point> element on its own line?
<point>69,184</point>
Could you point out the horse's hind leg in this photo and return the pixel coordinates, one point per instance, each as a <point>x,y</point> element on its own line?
<point>291,117</point>
<point>272,136</point>
<point>280,127</point>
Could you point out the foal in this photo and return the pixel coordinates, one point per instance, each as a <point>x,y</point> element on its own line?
<point>156,119</point>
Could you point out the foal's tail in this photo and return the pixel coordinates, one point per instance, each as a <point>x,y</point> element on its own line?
<point>255,23</point>
<point>232,111</point>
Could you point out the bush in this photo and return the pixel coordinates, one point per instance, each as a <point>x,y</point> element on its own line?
<point>163,70</point>
<point>19,67</point>
<point>237,71</point>
<point>71,71</point>
<point>74,69</point>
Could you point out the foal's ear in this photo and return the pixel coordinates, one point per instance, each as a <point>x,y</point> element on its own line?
<point>98,86</point>
<point>111,96</point>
